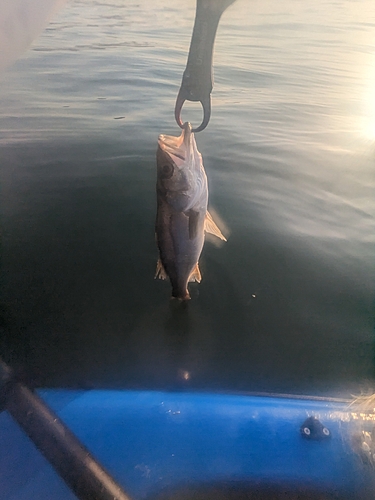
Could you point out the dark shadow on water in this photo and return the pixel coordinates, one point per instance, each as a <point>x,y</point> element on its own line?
<point>178,323</point>
<point>80,306</point>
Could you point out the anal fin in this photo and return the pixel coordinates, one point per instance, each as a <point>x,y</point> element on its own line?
<point>160,271</point>
<point>195,274</point>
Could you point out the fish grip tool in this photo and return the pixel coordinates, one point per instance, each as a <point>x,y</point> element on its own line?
<point>70,458</point>
<point>197,79</point>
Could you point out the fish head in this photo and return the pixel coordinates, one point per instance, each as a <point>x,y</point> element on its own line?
<point>181,179</point>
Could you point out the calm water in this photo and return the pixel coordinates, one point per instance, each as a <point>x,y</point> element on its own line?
<point>286,304</point>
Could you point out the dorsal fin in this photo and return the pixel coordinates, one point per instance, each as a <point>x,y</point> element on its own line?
<point>211,227</point>
<point>160,271</point>
<point>195,274</point>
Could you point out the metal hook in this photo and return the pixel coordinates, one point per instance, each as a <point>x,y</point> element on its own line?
<point>206,105</point>
<point>197,79</point>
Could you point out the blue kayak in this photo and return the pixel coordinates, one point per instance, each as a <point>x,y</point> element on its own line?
<point>168,445</point>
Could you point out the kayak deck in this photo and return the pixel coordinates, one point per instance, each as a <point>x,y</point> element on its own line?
<point>181,445</point>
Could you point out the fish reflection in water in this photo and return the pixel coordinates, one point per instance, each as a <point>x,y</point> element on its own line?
<point>174,345</point>
<point>182,217</point>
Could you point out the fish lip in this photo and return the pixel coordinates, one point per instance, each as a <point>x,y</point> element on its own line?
<point>177,146</point>
<point>187,133</point>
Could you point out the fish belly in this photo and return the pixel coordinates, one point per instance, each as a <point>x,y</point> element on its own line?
<point>179,252</point>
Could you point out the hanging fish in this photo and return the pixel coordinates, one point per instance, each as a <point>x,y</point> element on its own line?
<point>182,217</point>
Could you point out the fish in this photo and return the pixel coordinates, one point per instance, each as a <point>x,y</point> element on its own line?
<point>182,218</point>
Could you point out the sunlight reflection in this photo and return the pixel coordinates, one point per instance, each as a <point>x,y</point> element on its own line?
<point>184,374</point>
<point>369,101</point>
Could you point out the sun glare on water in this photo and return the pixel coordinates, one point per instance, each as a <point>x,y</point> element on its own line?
<point>368,127</point>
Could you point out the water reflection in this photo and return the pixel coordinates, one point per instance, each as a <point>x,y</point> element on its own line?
<point>286,304</point>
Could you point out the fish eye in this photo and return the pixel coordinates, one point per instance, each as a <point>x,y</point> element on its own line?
<point>167,171</point>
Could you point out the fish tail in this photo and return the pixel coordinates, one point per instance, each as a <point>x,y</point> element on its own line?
<point>181,295</point>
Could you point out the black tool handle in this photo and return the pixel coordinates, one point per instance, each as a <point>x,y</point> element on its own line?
<point>71,460</point>
<point>197,80</point>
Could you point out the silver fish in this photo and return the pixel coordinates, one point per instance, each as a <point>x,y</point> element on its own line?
<point>182,217</point>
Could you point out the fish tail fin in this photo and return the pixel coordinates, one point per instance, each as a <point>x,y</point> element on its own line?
<point>181,297</point>
<point>160,271</point>
<point>195,275</point>
<point>211,227</point>
<point>180,293</point>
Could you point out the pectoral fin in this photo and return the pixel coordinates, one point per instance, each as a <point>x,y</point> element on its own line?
<point>160,271</point>
<point>211,227</point>
<point>195,274</point>
<point>193,224</point>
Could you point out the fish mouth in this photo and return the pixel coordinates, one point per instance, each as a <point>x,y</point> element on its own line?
<point>177,147</point>
<point>186,133</point>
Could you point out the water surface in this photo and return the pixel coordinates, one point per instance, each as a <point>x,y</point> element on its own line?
<point>286,304</point>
